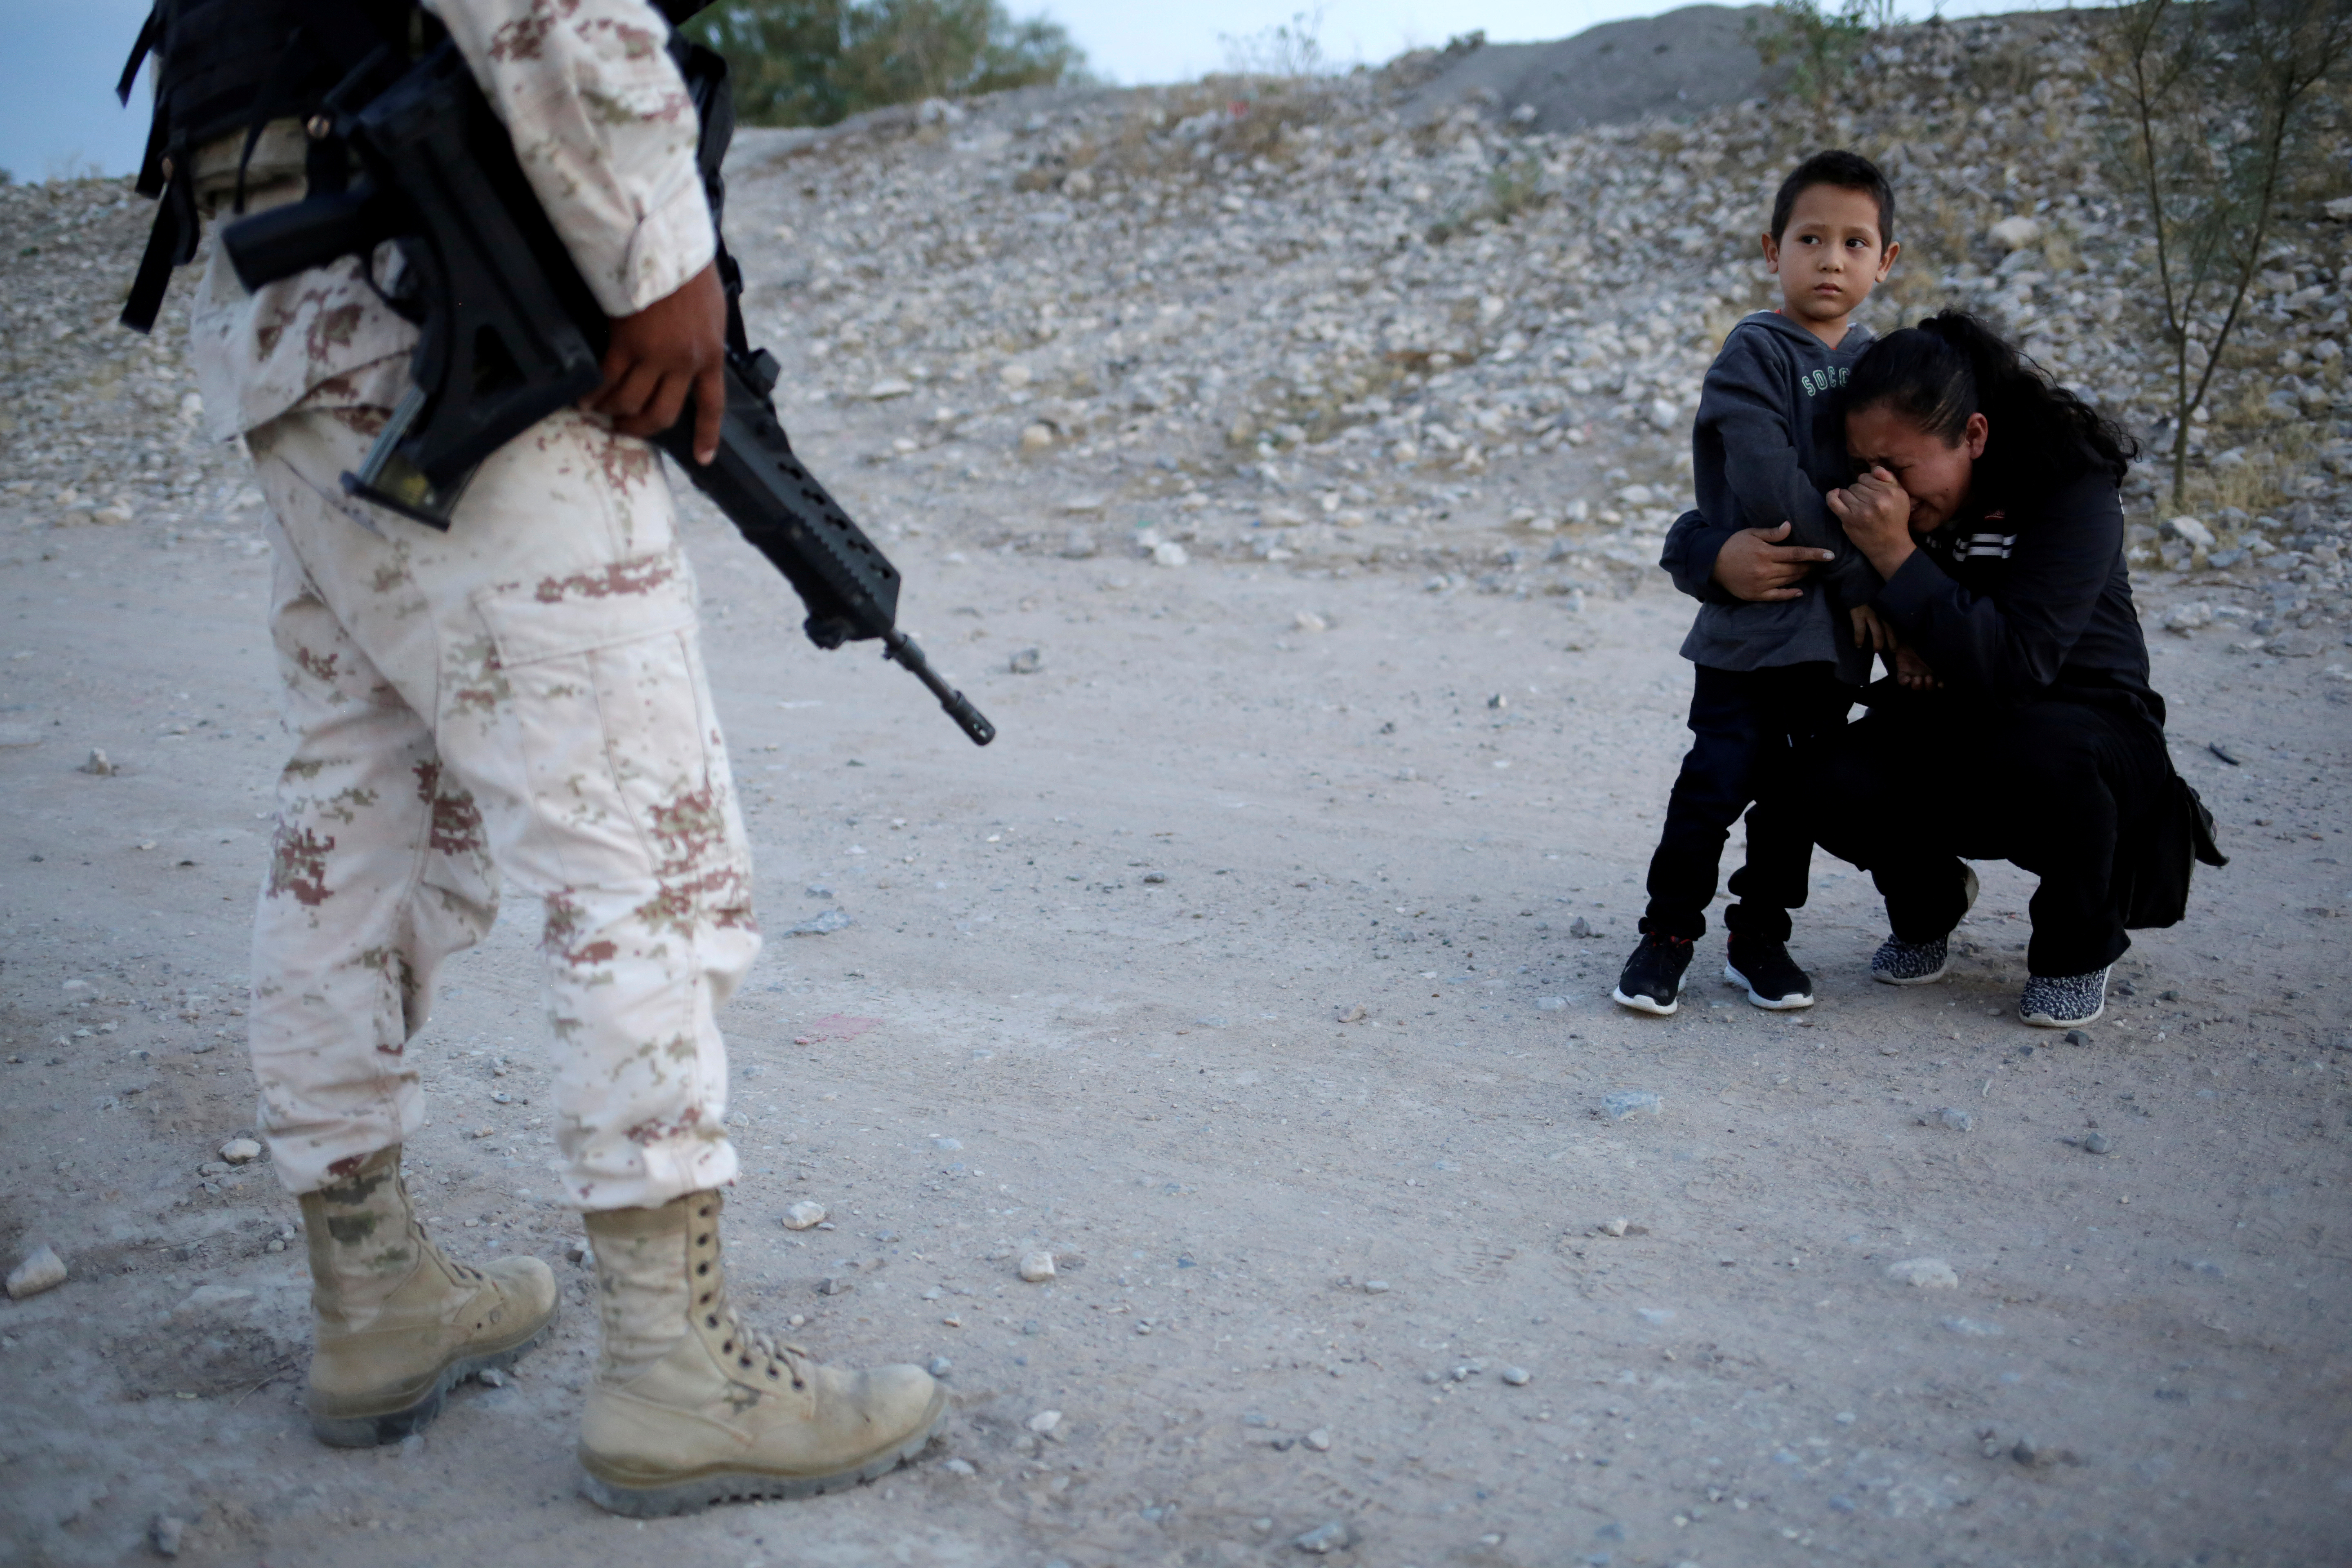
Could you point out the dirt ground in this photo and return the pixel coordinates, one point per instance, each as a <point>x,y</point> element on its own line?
<point>1096,996</point>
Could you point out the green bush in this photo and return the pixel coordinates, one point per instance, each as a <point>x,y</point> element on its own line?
<point>813,62</point>
<point>1819,45</point>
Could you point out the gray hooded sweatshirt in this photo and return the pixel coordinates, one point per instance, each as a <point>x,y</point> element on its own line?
<point>1769,440</point>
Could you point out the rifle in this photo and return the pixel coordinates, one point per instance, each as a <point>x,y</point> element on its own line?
<point>510,333</point>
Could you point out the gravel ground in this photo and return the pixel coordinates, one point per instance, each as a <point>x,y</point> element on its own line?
<point>1291,751</point>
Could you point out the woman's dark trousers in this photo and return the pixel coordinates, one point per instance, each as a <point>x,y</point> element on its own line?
<point>1746,725</point>
<point>2051,787</point>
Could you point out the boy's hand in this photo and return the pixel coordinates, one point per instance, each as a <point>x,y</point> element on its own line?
<point>1911,671</point>
<point>675,346</point>
<point>1754,564</point>
<point>1871,630</point>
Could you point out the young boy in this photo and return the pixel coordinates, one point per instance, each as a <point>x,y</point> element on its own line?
<point>1772,672</point>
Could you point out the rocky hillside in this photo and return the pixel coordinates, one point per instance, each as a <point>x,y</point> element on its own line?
<point>1385,320</point>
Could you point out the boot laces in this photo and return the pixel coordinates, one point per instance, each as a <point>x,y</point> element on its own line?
<point>756,1345</point>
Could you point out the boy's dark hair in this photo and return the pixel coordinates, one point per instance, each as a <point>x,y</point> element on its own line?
<point>1952,365</point>
<point>1846,171</point>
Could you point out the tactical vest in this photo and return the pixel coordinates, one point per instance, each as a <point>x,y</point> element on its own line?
<point>269,69</point>
<point>229,67</point>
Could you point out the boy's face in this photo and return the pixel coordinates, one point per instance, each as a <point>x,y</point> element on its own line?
<point>1830,257</point>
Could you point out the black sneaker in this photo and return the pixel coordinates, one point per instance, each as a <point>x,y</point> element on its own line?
<point>1771,976</point>
<point>1652,978</point>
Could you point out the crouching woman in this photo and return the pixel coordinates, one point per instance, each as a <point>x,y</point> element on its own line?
<point>1987,501</point>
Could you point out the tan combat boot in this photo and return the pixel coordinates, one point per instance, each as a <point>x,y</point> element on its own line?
<point>689,1408</point>
<point>396,1323</point>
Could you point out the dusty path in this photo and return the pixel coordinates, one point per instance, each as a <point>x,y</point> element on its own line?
<point>1146,1076</point>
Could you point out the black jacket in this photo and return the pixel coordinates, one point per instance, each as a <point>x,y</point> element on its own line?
<point>2031,601</point>
<point>2028,599</point>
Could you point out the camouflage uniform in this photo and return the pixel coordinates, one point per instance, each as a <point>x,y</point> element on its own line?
<point>523,695</point>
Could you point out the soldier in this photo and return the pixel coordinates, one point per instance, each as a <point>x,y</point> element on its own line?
<point>522,696</point>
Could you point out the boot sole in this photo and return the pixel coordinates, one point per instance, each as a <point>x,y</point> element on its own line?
<point>1787,1004</point>
<point>694,1493</point>
<point>391,1425</point>
<point>1641,1003</point>
<point>1911,979</point>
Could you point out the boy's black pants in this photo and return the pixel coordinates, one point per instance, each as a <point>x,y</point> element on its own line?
<point>2054,787</point>
<point>1747,725</point>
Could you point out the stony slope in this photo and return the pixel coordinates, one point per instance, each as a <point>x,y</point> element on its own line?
<point>1305,323</point>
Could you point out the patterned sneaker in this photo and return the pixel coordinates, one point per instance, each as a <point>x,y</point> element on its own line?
<point>1900,962</point>
<point>1652,978</point>
<point>1770,977</point>
<point>2063,1001</point>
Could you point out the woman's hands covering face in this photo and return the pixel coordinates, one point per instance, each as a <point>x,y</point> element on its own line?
<point>1876,513</point>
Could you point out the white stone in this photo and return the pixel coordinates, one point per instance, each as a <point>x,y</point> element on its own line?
<point>1044,1421</point>
<point>40,1269</point>
<point>1320,1440</point>
<point>240,1151</point>
<point>1309,621</point>
<point>889,387</point>
<point>1014,376</point>
<point>2190,532</point>
<point>2014,232</point>
<point>804,1215</point>
<point>1036,438</point>
<point>1037,1267</point>
<point>1613,1226</point>
<point>1168,553</point>
<point>1924,1273</point>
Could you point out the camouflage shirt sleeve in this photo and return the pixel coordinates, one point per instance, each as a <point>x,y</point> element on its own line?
<point>605,131</point>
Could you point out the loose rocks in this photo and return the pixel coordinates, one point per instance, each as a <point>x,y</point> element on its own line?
<point>1949,1115</point>
<point>1517,1376</point>
<point>163,1534</point>
<point>1324,1539</point>
<point>42,1269</point>
<point>1037,1267</point>
<point>1924,1273</point>
<point>1619,1104</point>
<point>1028,661</point>
<point>240,1151</point>
<point>804,1215</point>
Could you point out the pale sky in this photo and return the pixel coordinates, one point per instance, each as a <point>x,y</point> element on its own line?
<point>57,114</point>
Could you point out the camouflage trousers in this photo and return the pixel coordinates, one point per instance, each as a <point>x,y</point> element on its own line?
<point>522,697</point>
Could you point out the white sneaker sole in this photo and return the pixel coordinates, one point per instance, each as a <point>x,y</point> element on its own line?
<point>2045,1021</point>
<point>1641,1003</point>
<point>1732,976</point>
<point>1913,979</point>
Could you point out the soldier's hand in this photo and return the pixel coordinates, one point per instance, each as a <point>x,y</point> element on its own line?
<point>674,347</point>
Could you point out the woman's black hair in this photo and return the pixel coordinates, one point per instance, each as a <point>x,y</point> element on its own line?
<point>1952,365</point>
